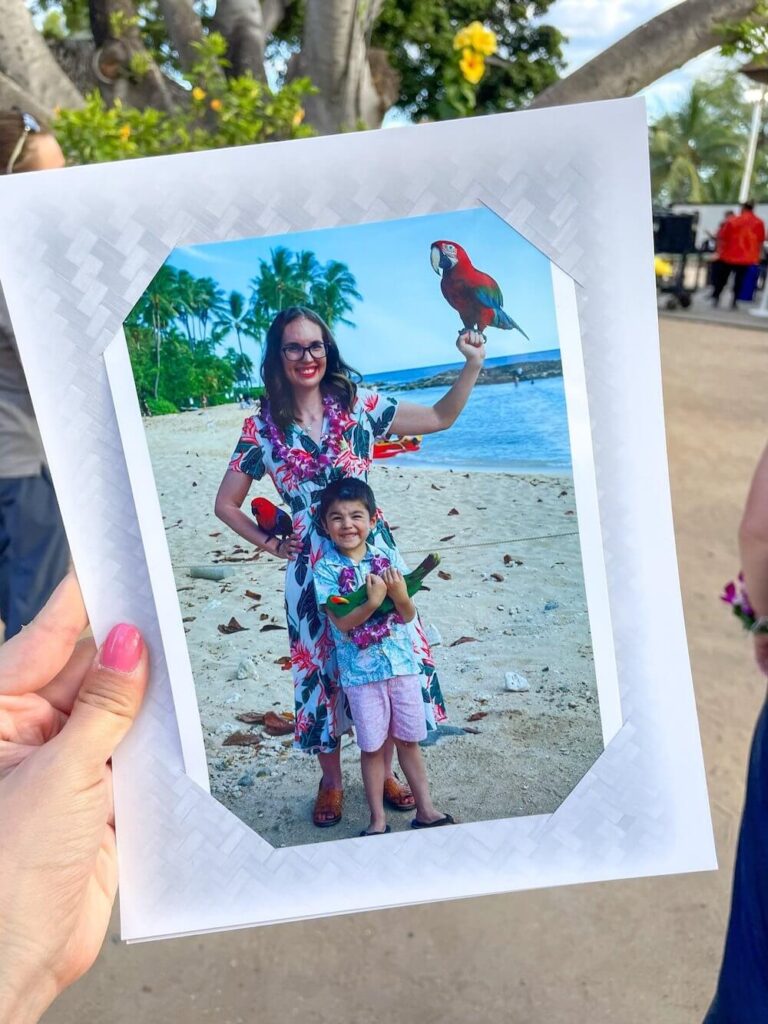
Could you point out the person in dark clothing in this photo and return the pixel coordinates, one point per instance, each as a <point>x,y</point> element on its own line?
<point>742,988</point>
<point>34,555</point>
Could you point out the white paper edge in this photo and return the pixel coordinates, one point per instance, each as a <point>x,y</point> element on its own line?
<point>587,503</point>
<point>160,569</point>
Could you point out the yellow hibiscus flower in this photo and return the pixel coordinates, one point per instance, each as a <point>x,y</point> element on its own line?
<point>476,37</point>
<point>124,132</point>
<point>198,93</point>
<point>472,65</point>
<point>482,39</point>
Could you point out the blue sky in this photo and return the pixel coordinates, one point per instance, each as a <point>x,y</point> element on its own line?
<point>592,25</point>
<point>403,320</point>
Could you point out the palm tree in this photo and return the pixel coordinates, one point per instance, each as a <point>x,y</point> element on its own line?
<point>237,317</point>
<point>700,143</point>
<point>185,303</point>
<point>157,308</point>
<point>209,302</point>
<point>332,293</point>
<point>278,284</point>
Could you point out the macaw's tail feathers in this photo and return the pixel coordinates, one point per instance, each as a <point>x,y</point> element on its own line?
<point>506,323</point>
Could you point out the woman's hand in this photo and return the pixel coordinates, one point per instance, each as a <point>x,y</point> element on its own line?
<point>471,344</point>
<point>64,707</point>
<point>288,547</point>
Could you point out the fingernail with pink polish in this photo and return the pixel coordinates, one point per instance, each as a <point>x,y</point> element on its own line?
<point>122,649</point>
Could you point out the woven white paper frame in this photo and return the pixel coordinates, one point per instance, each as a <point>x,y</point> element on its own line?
<point>77,249</point>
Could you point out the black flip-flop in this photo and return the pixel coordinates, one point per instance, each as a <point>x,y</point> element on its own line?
<point>365,832</point>
<point>445,820</point>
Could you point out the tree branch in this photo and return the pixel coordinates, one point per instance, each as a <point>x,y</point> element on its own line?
<point>660,45</point>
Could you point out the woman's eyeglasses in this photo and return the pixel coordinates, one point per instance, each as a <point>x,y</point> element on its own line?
<point>294,352</point>
<point>31,127</point>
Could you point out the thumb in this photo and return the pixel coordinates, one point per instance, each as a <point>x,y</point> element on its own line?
<point>110,696</point>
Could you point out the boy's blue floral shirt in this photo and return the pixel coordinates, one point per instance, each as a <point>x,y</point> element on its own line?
<point>394,655</point>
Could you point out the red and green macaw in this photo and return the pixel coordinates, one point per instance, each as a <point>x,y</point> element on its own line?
<point>475,295</point>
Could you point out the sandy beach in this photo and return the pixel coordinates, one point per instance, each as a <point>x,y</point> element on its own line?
<point>630,952</point>
<point>512,582</point>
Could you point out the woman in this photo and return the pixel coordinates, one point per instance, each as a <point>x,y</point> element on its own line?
<point>315,426</point>
<point>33,547</point>
<point>742,988</point>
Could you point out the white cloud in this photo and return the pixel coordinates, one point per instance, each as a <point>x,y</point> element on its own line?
<point>592,25</point>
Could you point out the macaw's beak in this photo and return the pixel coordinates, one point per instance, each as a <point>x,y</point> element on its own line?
<point>434,258</point>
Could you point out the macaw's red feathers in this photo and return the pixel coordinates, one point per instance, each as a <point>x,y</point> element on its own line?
<point>273,520</point>
<point>475,296</point>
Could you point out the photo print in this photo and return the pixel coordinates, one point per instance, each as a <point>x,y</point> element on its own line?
<point>546,500</point>
<point>503,644</point>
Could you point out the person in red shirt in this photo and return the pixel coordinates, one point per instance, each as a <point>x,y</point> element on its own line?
<point>739,246</point>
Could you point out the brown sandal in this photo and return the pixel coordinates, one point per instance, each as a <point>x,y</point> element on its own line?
<point>397,796</point>
<point>328,801</point>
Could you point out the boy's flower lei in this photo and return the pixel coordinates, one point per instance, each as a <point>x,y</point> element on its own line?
<point>735,594</point>
<point>378,626</point>
<point>374,630</point>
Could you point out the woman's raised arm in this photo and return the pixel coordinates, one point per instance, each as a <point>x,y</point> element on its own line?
<point>411,418</point>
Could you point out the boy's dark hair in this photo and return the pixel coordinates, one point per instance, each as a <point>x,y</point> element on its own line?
<point>346,489</point>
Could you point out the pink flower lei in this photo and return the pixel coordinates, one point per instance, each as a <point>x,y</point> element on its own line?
<point>378,626</point>
<point>300,463</point>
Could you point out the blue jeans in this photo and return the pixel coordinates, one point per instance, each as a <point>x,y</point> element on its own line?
<point>34,556</point>
<point>742,988</point>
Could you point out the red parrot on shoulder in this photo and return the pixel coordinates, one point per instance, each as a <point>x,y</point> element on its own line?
<point>474,295</point>
<point>273,520</point>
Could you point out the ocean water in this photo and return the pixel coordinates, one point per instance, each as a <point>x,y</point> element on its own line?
<point>504,426</point>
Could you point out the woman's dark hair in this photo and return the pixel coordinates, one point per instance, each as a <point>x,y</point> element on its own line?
<point>340,380</point>
<point>11,131</point>
<point>346,489</point>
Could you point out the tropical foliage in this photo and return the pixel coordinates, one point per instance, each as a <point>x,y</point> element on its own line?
<point>698,151</point>
<point>188,338</point>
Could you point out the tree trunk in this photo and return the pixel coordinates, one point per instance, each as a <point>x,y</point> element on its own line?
<point>12,96</point>
<point>241,22</point>
<point>334,54</point>
<point>184,28</point>
<point>29,64</point>
<point>659,46</point>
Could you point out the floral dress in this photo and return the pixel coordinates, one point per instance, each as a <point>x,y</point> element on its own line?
<point>322,712</point>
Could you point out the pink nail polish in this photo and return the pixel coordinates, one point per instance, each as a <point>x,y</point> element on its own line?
<point>122,649</point>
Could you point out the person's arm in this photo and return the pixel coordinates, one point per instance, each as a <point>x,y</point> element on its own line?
<point>232,492</point>
<point>398,594</point>
<point>64,707</point>
<point>411,418</point>
<point>377,591</point>
<point>753,545</point>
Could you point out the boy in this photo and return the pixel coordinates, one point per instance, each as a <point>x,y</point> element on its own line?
<point>378,668</point>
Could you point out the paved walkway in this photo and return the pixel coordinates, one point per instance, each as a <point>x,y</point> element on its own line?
<point>701,310</point>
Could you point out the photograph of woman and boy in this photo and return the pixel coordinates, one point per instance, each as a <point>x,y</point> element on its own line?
<point>317,426</point>
<point>471,461</point>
